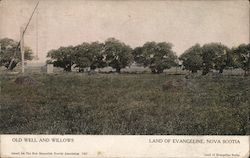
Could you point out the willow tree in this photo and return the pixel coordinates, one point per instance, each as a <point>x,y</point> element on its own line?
<point>117,54</point>
<point>10,53</point>
<point>192,58</point>
<point>156,56</point>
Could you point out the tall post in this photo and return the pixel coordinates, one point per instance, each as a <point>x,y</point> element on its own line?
<point>22,47</point>
<point>36,57</point>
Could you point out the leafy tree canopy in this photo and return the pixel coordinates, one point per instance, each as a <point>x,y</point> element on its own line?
<point>156,56</point>
<point>192,58</point>
<point>214,56</point>
<point>117,54</point>
<point>89,55</point>
<point>9,51</point>
<point>62,57</point>
<point>243,56</point>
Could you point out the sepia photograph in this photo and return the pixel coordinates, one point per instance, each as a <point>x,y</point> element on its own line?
<point>106,67</point>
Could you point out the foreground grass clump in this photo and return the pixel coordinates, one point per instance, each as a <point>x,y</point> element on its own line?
<point>125,104</point>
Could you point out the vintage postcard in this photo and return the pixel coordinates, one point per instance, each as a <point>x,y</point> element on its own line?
<point>124,78</point>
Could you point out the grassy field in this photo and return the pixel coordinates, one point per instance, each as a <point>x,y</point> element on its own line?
<point>125,104</point>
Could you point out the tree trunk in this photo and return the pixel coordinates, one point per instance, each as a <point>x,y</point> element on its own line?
<point>246,72</point>
<point>118,70</point>
<point>81,70</point>
<point>194,71</point>
<point>153,71</point>
<point>159,71</point>
<point>92,67</point>
<point>12,66</point>
<point>67,68</point>
<point>205,71</point>
<point>221,70</point>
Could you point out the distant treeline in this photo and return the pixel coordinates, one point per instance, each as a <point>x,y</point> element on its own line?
<point>156,56</point>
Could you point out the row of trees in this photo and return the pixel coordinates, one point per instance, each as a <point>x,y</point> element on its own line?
<point>156,56</point>
<point>92,55</point>
<point>118,55</point>
<point>113,53</point>
<point>216,56</point>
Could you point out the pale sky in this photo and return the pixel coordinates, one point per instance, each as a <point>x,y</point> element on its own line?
<point>70,22</point>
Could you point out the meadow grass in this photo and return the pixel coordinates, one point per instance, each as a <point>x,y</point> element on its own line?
<point>74,103</point>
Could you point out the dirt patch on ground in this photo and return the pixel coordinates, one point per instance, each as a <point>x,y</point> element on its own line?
<point>25,80</point>
<point>173,85</point>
